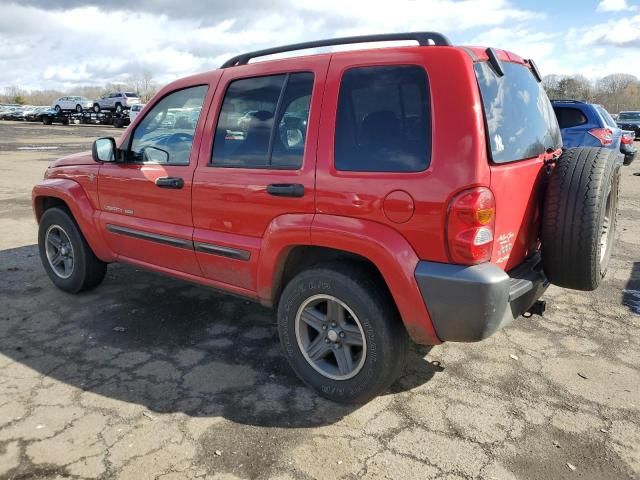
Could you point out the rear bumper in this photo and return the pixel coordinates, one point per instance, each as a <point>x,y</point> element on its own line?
<point>468,304</point>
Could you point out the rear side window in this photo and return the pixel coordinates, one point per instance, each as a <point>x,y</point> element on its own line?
<point>610,122</point>
<point>383,120</point>
<point>520,120</point>
<point>263,122</point>
<point>569,117</point>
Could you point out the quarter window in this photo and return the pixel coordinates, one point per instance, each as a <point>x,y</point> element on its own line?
<point>263,122</point>
<point>569,117</point>
<point>383,121</point>
<point>165,134</point>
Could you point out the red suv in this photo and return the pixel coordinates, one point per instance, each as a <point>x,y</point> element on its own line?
<point>371,196</point>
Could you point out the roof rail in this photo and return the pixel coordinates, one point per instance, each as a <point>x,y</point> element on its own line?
<point>423,39</point>
<point>566,100</point>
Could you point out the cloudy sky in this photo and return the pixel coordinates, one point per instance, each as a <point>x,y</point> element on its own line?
<point>63,43</point>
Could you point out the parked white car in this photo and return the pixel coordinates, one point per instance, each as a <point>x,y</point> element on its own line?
<point>79,104</point>
<point>135,110</point>
<point>117,101</point>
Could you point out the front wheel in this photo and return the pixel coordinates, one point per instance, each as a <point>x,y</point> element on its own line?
<point>65,254</point>
<point>341,332</point>
<point>96,108</point>
<point>79,108</point>
<point>118,108</point>
<point>58,109</point>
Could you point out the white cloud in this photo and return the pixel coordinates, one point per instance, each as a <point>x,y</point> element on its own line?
<point>89,44</point>
<point>612,6</point>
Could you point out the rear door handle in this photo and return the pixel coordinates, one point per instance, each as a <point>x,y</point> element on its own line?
<point>169,182</point>
<point>286,189</point>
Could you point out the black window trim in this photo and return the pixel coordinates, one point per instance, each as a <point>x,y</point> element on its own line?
<point>129,141</point>
<point>277,112</point>
<point>428,96</point>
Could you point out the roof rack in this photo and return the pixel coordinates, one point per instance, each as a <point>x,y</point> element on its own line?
<point>423,39</point>
<point>567,100</point>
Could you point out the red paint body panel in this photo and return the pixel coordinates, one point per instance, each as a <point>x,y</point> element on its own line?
<point>393,256</point>
<point>82,208</point>
<point>230,207</point>
<point>458,157</point>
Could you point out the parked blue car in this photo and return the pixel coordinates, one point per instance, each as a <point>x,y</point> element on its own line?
<point>586,125</point>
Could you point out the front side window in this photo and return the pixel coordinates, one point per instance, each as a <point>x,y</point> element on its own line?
<point>383,121</point>
<point>165,134</point>
<point>263,122</point>
<point>520,119</point>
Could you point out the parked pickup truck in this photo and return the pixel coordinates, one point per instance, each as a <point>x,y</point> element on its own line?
<point>372,197</point>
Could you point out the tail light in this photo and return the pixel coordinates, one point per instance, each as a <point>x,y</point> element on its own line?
<point>470,226</point>
<point>627,139</point>
<point>604,135</point>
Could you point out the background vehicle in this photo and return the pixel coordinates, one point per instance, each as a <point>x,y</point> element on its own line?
<point>630,121</point>
<point>35,114</point>
<point>627,146</point>
<point>586,125</point>
<point>135,110</point>
<point>366,223</point>
<point>68,103</point>
<point>117,101</point>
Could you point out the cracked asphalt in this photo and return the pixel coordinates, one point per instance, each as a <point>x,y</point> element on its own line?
<point>150,377</point>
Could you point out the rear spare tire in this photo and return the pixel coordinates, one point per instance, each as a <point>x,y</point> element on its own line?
<point>579,217</point>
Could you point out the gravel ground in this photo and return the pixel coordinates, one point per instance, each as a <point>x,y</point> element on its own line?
<point>149,377</point>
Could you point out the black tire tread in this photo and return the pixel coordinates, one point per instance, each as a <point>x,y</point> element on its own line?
<point>572,217</point>
<point>90,269</point>
<point>359,280</point>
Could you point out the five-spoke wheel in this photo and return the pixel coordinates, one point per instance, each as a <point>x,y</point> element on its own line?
<point>330,337</point>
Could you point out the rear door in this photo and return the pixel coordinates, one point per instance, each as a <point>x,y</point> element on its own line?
<point>256,164</point>
<point>145,200</point>
<point>522,131</point>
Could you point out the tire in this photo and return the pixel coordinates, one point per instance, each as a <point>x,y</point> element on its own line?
<point>46,120</point>
<point>86,271</point>
<point>58,109</point>
<point>79,108</point>
<point>579,217</point>
<point>96,108</point>
<point>383,354</point>
<point>118,107</point>
<point>628,159</point>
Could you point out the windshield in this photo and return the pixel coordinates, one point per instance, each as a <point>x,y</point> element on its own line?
<point>520,120</point>
<point>130,95</point>
<point>629,116</point>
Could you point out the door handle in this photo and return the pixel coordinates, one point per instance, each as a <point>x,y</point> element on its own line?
<point>169,182</point>
<point>286,189</point>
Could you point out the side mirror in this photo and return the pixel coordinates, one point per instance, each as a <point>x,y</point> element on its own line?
<point>104,150</point>
<point>155,155</point>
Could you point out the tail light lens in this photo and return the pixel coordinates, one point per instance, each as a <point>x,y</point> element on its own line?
<point>470,226</point>
<point>627,139</point>
<point>604,135</point>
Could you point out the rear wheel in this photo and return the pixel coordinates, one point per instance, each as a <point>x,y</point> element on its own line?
<point>579,217</point>
<point>96,108</point>
<point>118,107</point>
<point>341,332</point>
<point>58,109</point>
<point>67,258</point>
<point>79,108</point>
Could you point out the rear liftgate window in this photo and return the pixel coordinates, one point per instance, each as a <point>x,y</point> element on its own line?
<point>520,120</point>
<point>383,121</point>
